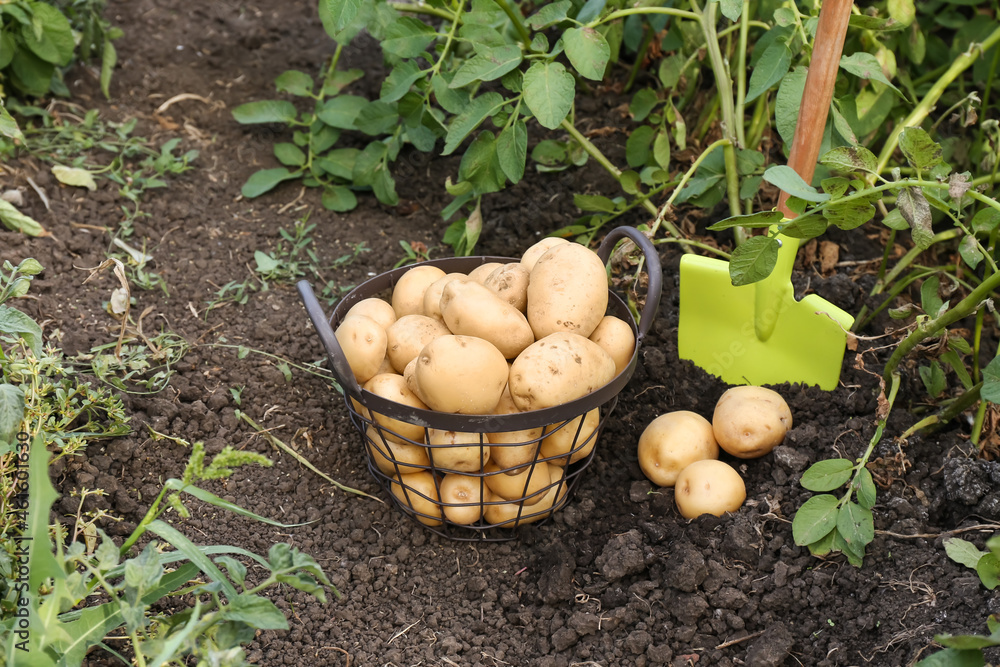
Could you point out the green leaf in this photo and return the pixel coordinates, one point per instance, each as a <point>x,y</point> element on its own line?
<point>512,150</point>
<point>17,221</point>
<point>407,37</point>
<point>341,12</point>
<point>836,186</point>
<point>341,111</point>
<point>770,69</point>
<point>594,203</point>
<point>8,126</point>
<point>985,220</point>
<point>753,260</point>
<point>400,80</point>
<point>788,102</point>
<point>637,146</point>
<point>732,9</point>
<point>642,103</point>
<point>851,159</point>
<point>824,545</point>
<point>630,182</point>
<point>377,117</point>
<point>548,92</point>
<point>265,111</point>
<point>549,14</point>
<point>266,180</point>
<point>866,66</point>
<point>294,82</point>
<point>988,570</point>
<point>587,51</point>
<point>488,65</point>
<point>865,22</point>
<point>13,321</point>
<point>265,263</point>
<point>788,180</point>
<point>758,220</point>
<point>180,542</point>
<point>849,215</point>
<point>916,211</point>
<point>475,113</point>
<point>255,611</point>
<point>933,379</point>
<point>661,150</point>
<point>815,519</point>
<point>951,657</point>
<point>481,166</point>
<point>805,227</point>
<point>930,299</point>
<point>670,70</point>
<point>109,58</point>
<point>289,155</point>
<point>75,176</point>
<point>11,412</point>
<point>339,198</point>
<point>963,552</point>
<point>866,489</point>
<point>920,150</point>
<point>991,381</point>
<point>857,526</point>
<point>895,220</point>
<point>827,475</point>
<point>55,43</point>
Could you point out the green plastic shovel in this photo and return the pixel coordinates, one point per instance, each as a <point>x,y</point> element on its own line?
<point>759,334</point>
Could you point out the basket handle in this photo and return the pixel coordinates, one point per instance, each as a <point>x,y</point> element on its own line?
<point>341,369</point>
<point>653,270</point>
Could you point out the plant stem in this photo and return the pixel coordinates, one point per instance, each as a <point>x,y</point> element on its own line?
<point>739,26</point>
<point>622,13</point>
<point>741,75</point>
<point>926,105</point>
<point>516,20</point>
<point>955,408</point>
<point>647,37</point>
<point>423,9</point>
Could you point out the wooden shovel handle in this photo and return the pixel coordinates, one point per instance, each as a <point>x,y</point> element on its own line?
<point>831,31</point>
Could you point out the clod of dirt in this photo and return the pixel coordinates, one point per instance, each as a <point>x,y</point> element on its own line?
<point>622,556</point>
<point>966,481</point>
<point>771,648</point>
<point>686,569</point>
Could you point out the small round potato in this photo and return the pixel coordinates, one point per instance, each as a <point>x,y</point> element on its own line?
<point>577,436</point>
<point>378,309</point>
<point>557,369</point>
<point>532,254</point>
<point>615,336</point>
<point>364,344</point>
<point>469,309</point>
<point>513,449</point>
<point>510,283</point>
<point>462,498</point>
<point>751,421</point>
<point>673,441</point>
<point>388,453</point>
<point>459,452</point>
<point>526,486</point>
<point>567,291</point>
<point>419,493</point>
<point>507,513</point>
<point>392,387</point>
<point>408,292</point>
<point>461,374</point>
<point>481,272</point>
<point>432,297</point>
<point>408,335</point>
<point>709,487</point>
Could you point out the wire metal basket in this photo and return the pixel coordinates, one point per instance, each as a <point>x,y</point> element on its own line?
<point>413,452</point>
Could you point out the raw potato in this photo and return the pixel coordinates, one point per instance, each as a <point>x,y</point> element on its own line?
<point>567,291</point>
<point>469,309</point>
<point>387,453</point>
<point>421,495</point>
<point>525,486</point>
<point>393,387</point>
<point>409,335</point>
<point>751,421</point>
<point>459,452</point>
<point>481,272</point>
<point>378,309</point>
<point>408,292</point>
<point>532,254</point>
<point>432,297</point>
<point>464,495</point>
<point>617,339</point>
<point>461,374</point>
<point>560,440</point>
<point>709,487</point>
<point>364,344</point>
<point>513,449</point>
<point>507,513</point>
<point>557,369</point>
<point>673,441</point>
<point>510,283</point>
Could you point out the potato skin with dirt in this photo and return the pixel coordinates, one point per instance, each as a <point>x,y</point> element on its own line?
<point>470,309</point>
<point>460,374</point>
<point>751,421</point>
<point>673,441</point>
<point>557,369</point>
<point>567,291</point>
<point>709,487</point>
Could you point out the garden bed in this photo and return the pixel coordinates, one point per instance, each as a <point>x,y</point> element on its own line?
<point>615,578</point>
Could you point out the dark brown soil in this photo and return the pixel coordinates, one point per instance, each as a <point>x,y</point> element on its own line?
<point>617,577</point>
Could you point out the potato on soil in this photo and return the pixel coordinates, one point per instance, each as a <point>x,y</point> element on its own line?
<point>616,337</point>
<point>510,283</point>
<point>578,436</point>
<point>379,310</point>
<point>673,441</point>
<point>469,309</point>
<point>557,369</point>
<point>364,344</point>
<point>419,493</point>
<point>432,296</point>
<point>388,453</point>
<point>408,335</point>
<point>709,487</point>
<point>481,272</point>
<point>392,387</point>
<point>567,291</point>
<point>408,292</point>
<point>460,374</point>
<point>532,254</point>
<point>462,498</point>
<point>459,452</point>
<point>751,421</point>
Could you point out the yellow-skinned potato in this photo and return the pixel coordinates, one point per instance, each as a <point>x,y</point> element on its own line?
<point>572,436</point>
<point>751,421</point>
<point>432,297</point>
<point>419,492</point>
<point>388,452</point>
<point>557,369</point>
<point>513,449</point>
<point>408,335</point>
<point>510,283</point>
<point>709,487</point>
<point>567,291</point>
<point>673,441</point>
<point>532,254</point>
<point>379,310</point>
<point>507,513</point>
<point>615,336</point>
<point>481,272</point>
<point>364,343</point>
<point>461,374</point>
<point>462,498</point>
<point>459,452</point>
<point>524,486</point>
<point>392,387</point>
<point>408,292</point>
<point>469,309</point>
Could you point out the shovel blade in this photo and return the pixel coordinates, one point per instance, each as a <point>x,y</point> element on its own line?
<point>716,331</point>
